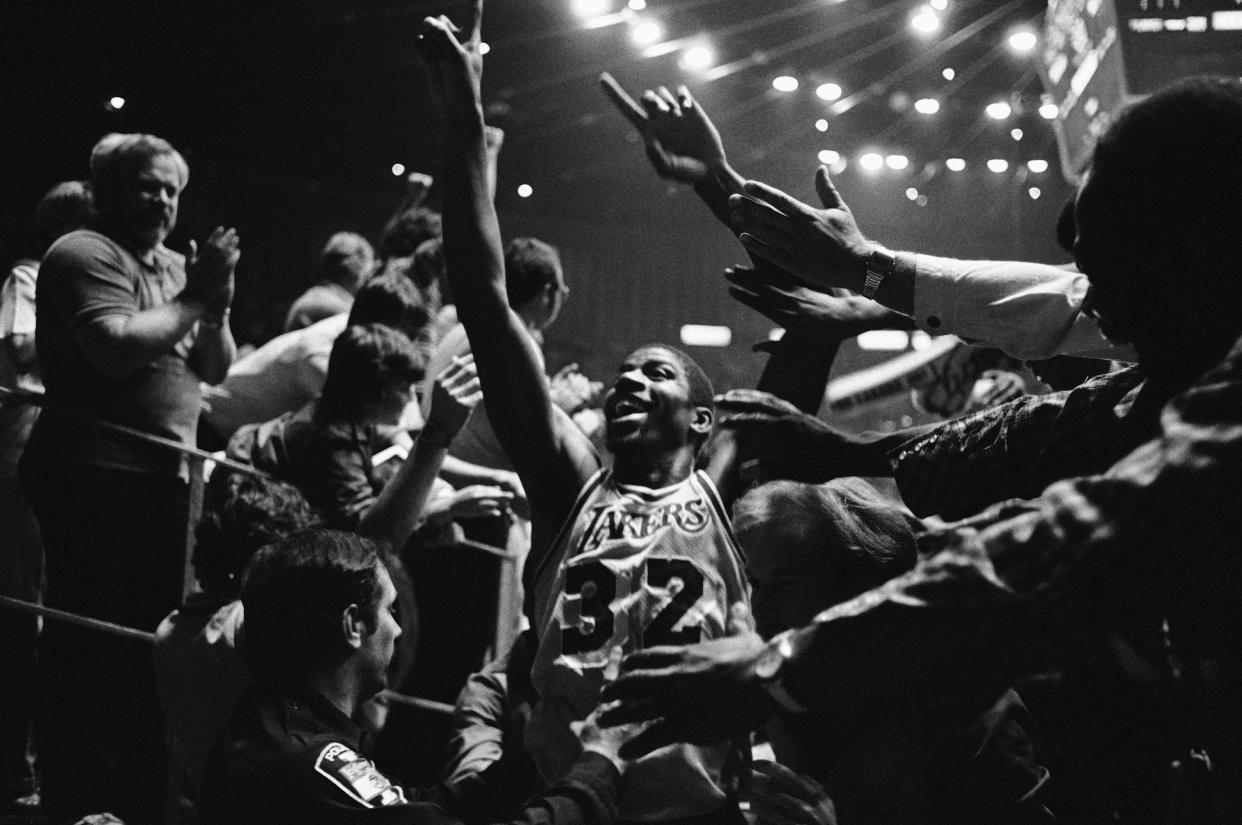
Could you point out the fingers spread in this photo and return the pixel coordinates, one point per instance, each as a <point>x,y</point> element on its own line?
<point>827,191</point>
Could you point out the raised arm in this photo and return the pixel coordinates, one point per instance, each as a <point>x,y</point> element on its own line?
<point>552,457</point>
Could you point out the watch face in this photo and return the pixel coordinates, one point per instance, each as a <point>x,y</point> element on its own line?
<point>769,664</point>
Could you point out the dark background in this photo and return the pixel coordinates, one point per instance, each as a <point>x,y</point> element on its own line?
<point>291,115</point>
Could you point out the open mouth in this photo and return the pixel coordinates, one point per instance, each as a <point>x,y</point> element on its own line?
<point>628,409</point>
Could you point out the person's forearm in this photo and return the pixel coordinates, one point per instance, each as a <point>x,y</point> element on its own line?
<point>401,506</point>
<point>22,350</point>
<point>715,189</point>
<point>214,351</point>
<point>120,345</point>
<point>461,473</point>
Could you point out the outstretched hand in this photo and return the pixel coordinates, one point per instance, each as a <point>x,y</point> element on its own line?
<point>824,248</point>
<point>682,142</point>
<point>209,270</point>
<point>813,316</point>
<point>668,685</point>
<point>454,66</point>
<point>792,444</point>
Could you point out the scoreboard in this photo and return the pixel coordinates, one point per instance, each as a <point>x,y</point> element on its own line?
<point>1098,55</point>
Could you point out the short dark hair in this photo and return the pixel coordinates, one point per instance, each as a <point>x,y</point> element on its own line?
<point>1172,169</point>
<point>406,230</point>
<point>863,537</point>
<point>366,360</point>
<point>65,207</point>
<point>392,299</point>
<point>340,257</point>
<point>531,266</point>
<point>242,513</point>
<point>294,593</point>
<point>701,392</point>
<point>429,270</point>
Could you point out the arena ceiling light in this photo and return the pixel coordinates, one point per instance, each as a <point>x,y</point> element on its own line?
<point>646,32</point>
<point>525,190</point>
<point>1023,40</point>
<point>587,9</point>
<point>828,91</point>
<point>884,339</point>
<point>1034,193</point>
<point>948,73</point>
<point>829,157</point>
<point>939,5</point>
<point>398,169</point>
<point>636,5</point>
<point>955,164</point>
<point>925,21</point>
<point>706,335</point>
<point>897,162</point>
<point>785,83</point>
<point>821,125</point>
<point>1037,165</point>
<point>697,58</point>
<point>1048,111</point>
<point>1000,110</point>
<point>115,103</point>
<point>927,105</point>
<point>998,165</point>
<point>1016,134</point>
<point>871,161</point>
<point>912,194</point>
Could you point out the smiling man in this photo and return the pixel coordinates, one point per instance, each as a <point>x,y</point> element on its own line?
<point>126,330</point>
<point>635,556</point>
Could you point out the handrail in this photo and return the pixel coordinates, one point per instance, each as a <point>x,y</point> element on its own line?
<point>38,399</point>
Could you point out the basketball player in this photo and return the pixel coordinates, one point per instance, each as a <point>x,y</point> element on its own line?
<point>635,556</point>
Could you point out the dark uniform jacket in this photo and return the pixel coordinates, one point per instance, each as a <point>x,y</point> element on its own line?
<point>295,758</point>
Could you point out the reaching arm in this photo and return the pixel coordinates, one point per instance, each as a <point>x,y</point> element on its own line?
<point>401,506</point>
<point>552,457</point>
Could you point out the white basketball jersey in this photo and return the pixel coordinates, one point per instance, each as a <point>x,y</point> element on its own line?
<point>638,568</point>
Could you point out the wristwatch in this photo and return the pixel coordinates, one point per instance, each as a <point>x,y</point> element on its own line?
<point>768,669</point>
<point>880,264</point>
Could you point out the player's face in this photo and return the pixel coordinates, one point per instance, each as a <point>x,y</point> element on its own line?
<point>147,209</point>
<point>1104,260</point>
<point>649,402</point>
<point>379,647</point>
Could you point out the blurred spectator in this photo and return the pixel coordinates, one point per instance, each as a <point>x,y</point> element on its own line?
<point>66,207</point>
<point>347,261</point>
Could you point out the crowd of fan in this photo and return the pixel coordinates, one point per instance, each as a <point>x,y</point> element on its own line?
<point>707,577</point>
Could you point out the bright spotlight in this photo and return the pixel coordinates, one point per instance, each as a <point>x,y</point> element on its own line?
<point>955,164</point>
<point>637,5</point>
<point>1023,41</point>
<point>697,58</point>
<point>998,165</point>
<point>1016,134</point>
<point>115,104</point>
<point>1034,193</point>
<point>525,190</point>
<point>1037,165</point>
<point>706,335</point>
<point>912,194</point>
<point>939,5</point>
<point>921,200</point>
<point>871,161</point>
<point>398,169</point>
<point>591,8</point>
<point>1048,111</point>
<point>896,162</point>
<point>999,110</point>
<point>925,21</point>
<point>646,33</point>
<point>821,125</point>
<point>829,157</point>
<point>927,105</point>
<point>947,73</point>
<point>785,83</point>
<point>484,48</point>
<point>828,91</point>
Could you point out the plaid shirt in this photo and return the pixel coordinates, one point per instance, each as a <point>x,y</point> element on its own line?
<point>1017,449</point>
<point>1023,583</point>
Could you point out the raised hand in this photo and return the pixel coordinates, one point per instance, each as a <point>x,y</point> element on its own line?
<point>780,796</point>
<point>209,270</point>
<point>573,391</point>
<point>454,67</point>
<point>824,248</point>
<point>454,396</point>
<point>682,142</point>
<point>813,316</point>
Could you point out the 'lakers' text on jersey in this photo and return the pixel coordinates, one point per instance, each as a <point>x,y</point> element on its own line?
<point>636,568</point>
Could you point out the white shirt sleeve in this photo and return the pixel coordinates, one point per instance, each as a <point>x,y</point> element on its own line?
<point>1027,310</point>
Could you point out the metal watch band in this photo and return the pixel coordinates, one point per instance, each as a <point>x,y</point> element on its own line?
<point>880,264</point>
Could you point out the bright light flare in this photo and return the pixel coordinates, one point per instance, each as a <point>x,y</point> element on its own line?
<point>646,32</point>
<point>706,335</point>
<point>925,21</point>
<point>948,73</point>
<point>998,165</point>
<point>1023,41</point>
<point>821,125</point>
<point>829,157</point>
<point>897,162</point>
<point>1037,165</point>
<point>1049,111</point>
<point>637,5</point>
<point>591,8</point>
<point>828,91</point>
<point>698,58</point>
<point>871,161</point>
<point>115,103</point>
<point>785,83</point>
<point>1034,193</point>
<point>398,169</point>
<point>955,164</point>
<point>927,105</point>
<point>525,190</point>
<point>999,110</point>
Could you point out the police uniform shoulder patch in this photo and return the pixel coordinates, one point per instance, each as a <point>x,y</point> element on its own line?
<point>357,777</point>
